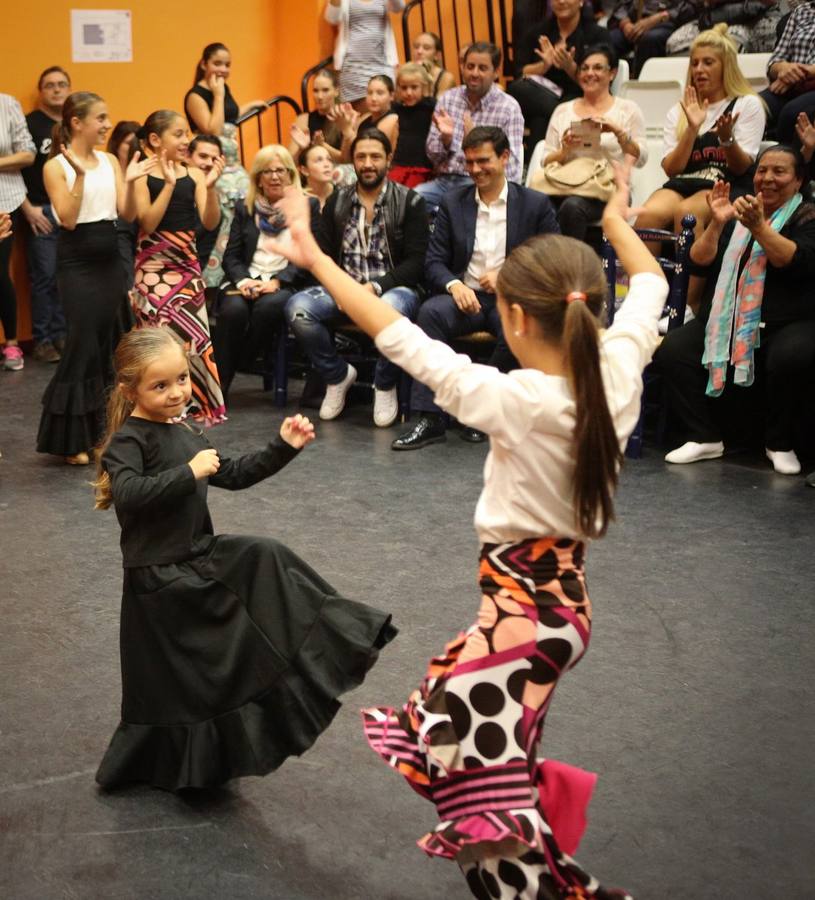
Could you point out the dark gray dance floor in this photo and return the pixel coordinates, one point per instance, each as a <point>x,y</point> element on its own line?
<point>694,703</point>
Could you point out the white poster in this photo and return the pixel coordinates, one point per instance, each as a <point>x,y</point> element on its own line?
<point>101,35</point>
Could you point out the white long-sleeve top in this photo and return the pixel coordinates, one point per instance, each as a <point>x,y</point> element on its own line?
<point>530,416</point>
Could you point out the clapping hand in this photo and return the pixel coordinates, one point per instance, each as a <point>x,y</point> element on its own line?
<point>215,172</point>
<point>138,167</point>
<point>300,136</point>
<point>297,431</point>
<point>695,112</point>
<point>806,134</point>
<point>749,211</point>
<point>546,51</point>
<point>347,119</point>
<point>167,168</point>
<point>445,123</point>
<point>564,58</point>
<point>718,199</point>
<point>723,129</point>
<point>74,163</point>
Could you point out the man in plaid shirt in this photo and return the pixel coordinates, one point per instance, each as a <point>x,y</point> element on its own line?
<point>791,73</point>
<point>479,101</point>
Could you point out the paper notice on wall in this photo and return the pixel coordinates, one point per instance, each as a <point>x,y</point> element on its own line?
<point>101,35</point>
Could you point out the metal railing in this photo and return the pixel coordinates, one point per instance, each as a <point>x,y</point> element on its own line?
<point>468,17</point>
<point>272,105</point>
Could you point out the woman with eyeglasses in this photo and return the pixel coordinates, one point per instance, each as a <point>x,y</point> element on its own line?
<point>622,129</point>
<point>259,281</point>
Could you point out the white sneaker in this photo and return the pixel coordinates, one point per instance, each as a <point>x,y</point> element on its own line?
<point>785,462</point>
<point>386,407</point>
<point>692,452</point>
<point>334,401</point>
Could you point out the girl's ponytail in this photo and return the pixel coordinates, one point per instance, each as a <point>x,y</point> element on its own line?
<point>597,450</point>
<point>559,282</point>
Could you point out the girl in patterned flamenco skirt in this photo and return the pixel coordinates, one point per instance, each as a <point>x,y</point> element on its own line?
<point>168,288</point>
<point>233,650</point>
<point>467,739</point>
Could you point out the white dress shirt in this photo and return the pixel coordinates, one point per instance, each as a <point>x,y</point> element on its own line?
<point>490,246</point>
<point>530,416</point>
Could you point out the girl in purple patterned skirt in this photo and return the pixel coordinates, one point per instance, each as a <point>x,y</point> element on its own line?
<point>468,738</point>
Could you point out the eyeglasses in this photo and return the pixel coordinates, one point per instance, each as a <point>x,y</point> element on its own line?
<point>275,173</point>
<point>55,85</point>
<point>598,68</point>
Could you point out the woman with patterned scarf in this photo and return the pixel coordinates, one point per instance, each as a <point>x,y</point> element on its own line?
<point>757,319</point>
<point>252,300</point>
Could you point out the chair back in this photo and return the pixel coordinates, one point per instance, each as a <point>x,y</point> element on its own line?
<point>754,68</point>
<point>623,74</point>
<point>654,98</point>
<point>665,68</point>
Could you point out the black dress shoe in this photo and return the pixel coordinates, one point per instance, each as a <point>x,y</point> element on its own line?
<point>473,435</point>
<point>425,431</point>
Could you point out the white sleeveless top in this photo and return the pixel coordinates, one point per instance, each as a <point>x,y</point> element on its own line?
<point>99,194</point>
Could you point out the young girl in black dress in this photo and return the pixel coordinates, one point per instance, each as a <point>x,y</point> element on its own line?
<point>233,649</point>
<point>411,164</point>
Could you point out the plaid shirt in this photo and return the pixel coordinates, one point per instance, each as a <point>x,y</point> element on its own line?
<point>365,247</point>
<point>797,43</point>
<point>495,108</point>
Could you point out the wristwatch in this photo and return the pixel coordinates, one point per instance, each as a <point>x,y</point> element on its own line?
<point>728,143</point>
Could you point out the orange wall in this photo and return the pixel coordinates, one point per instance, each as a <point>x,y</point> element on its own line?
<point>272,42</point>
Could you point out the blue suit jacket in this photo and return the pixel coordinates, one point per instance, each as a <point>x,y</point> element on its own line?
<point>451,244</point>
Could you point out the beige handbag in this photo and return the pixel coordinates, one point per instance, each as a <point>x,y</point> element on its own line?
<point>581,177</point>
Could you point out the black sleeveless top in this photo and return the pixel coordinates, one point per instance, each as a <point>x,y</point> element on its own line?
<point>414,124</point>
<point>181,214</point>
<point>231,108</point>
<point>318,122</point>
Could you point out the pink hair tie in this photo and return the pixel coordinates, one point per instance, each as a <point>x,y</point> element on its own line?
<point>576,295</point>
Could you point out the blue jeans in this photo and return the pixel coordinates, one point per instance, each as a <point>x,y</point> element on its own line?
<point>434,191</point>
<point>311,314</point>
<point>47,318</point>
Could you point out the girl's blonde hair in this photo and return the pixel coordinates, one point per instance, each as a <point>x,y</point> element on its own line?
<point>733,80</point>
<point>263,157</point>
<point>136,350</point>
<point>538,276</point>
<point>414,70</point>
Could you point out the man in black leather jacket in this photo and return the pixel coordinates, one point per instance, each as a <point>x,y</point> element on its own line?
<point>377,231</point>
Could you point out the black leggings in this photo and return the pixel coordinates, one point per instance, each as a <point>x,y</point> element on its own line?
<point>8,298</point>
<point>783,363</point>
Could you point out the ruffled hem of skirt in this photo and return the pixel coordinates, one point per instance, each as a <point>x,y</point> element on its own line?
<point>258,736</point>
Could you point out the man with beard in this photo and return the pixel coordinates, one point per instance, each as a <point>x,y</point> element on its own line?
<point>376,230</point>
<point>479,101</point>
<point>477,227</point>
<point>204,150</point>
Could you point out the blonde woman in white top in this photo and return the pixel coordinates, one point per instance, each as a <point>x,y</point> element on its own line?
<point>623,130</point>
<point>88,193</point>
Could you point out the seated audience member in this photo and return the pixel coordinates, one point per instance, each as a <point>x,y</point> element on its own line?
<point>751,24</point>
<point>317,172</point>
<point>263,278</point>
<point>47,317</point>
<point>791,73</point>
<point>17,151</point>
<point>713,133</point>
<point>479,101</point>
<point>477,226</point>
<point>644,27</point>
<point>622,134</point>
<point>545,67</point>
<point>411,164</point>
<point>319,126</point>
<point>426,51</point>
<point>376,230</point>
<point>123,143</point>
<point>757,320</point>
<point>204,151</point>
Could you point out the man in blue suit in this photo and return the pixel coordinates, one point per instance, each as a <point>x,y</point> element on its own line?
<point>477,226</point>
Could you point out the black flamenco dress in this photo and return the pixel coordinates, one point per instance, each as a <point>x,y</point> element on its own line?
<point>233,650</point>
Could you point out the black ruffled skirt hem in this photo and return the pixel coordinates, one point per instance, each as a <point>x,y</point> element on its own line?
<point>258,736</point>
